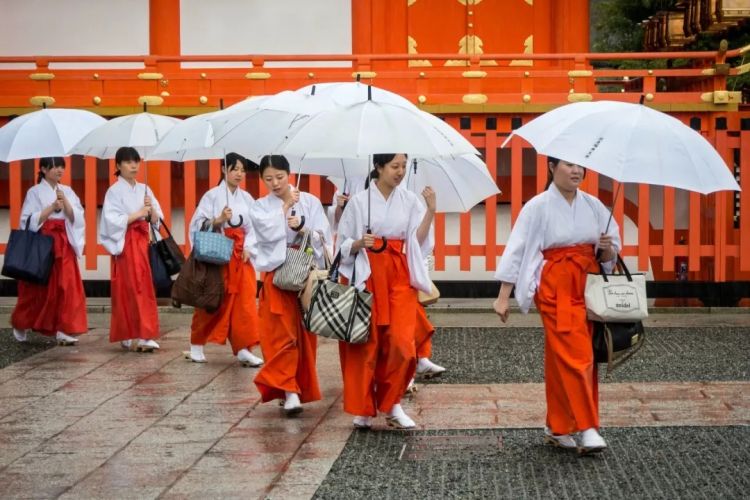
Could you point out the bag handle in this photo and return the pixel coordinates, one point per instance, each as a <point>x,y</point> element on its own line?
<point>206,227</point>
<point>620,265</point>
<point>333,272</point>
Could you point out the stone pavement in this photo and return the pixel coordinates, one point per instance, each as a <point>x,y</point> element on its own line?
<point>93,421</point>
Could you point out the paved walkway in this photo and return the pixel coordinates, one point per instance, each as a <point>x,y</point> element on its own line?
<point>93,421</point>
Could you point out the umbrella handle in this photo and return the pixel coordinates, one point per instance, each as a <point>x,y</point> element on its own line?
<point>229,222</point>
<point>382,247</point>
<point>301,224</point>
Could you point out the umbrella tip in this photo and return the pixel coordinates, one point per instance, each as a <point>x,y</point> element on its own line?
<point>369,92</point>
<point>44,105</point>
<point>312,92</point>
<point>221,103</point>
<point>145,107</point>
<point>643,98</point>
<point>359,77</point>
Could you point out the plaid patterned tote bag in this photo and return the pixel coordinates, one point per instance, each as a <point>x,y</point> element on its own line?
<point>339,311</point>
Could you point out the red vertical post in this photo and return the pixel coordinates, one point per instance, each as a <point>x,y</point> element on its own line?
<point>490,205</point>
<point>165,189</point>
<point>90,211</point>
<point>516,177</point>
<point>694,237</point>
<point>745,200</point>
<point>668,224</point>
<point>190,204</point>
<point>164,31</point>
<point>644,211</point>
<point>14,188</point>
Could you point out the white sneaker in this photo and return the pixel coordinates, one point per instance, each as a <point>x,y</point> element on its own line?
<point>362,422</point>
<point>63,339</point>
<point>559,440</point>
<point>398,419</point>
<point>195,354</point>
<point>21,335</point>
<point>247,358</point>
<point>292,405</point>
<point>590,441</point>
<point>126,344</point>
<point>146,345</point>
<point>428,369</point>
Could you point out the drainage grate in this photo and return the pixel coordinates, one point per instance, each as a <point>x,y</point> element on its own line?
<point>450,447</point>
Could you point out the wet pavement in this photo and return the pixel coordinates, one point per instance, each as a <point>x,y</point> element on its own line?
<point>93,421</point>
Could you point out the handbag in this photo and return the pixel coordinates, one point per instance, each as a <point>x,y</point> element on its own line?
<point>29,256</point>
<point>427,299</point>
<point>199,285</point>
<point>339,311</point>
<point>614,343</point>
<point>169,251</point>
<point>159,275</point>
<point>212,247</point>
<point>616,297</point>
<point>292,274</point>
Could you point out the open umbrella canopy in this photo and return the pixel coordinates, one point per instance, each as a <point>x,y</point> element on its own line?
<point>630,143</point>
<point>191,139</point>
<point>47,132</point>
<point>142,131</point>
<point>344,94</point>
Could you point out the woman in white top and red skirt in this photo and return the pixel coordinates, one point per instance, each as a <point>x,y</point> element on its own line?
<point>227,206</point>
<point>128,210</point>
<point>57,309</point>
<point>377,372</point>
<point>280,219</point>
<point>556,240</point>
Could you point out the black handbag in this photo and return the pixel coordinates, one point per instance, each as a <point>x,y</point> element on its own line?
<point>29,256</point>
<point>159,274</point>
<point>169,251</point>
<point>614,343</point>
<point>199,285</point>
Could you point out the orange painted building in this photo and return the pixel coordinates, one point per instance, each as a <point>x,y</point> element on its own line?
<point>486,66</point>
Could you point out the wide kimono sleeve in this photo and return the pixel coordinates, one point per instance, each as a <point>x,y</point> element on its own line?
<point>269,227</point>
<point>251,243</point>
<point>417,252</point>
<point>31,210</point>
<point>113,223</point>
<point>203,212</point>
<point>354,266</point>
<point>76,230</point>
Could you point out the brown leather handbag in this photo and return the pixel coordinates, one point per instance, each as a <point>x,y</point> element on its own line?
<point>199,285</point>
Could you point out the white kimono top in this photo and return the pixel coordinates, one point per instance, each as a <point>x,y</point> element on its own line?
<point>351,185</point>
<point>396,218</point>
<point>212,204</point>
<point>273,235</point>
<point>41,196</point>
<point>120,201</point>
<point>549,221</point>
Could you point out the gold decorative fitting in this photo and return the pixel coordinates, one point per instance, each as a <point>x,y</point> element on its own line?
<point>96,100</point>
<point>474,98</point>
<point>577,73</point>
<point>471,12</point>
<point>422,99</point>
<point>42,76</point>
<point>571,91</point>
<point>708,72</point>
<point>41,100</point>
<point>651,72</point>
<point>164,93</point>
<point>164,83</point>
<point>526,98</point>
<point>421,74</point>
<point>258,76</point>
<point>741,70</point>
<point>150,100</point>
<point>471,25</point>
<point>96,76</point>
<point>203,99</point>
<point>625,78</point>
<point>203,75</point>
<point>526,74</point>
<point>311,75</point>
<point>474,74</point>
<point>649,97</point>
<point>722,97</point>
<point>364,74</point>
<point>580,97</point>
<point>150,76</point>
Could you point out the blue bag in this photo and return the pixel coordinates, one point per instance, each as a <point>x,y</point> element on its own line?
<point>212,247</point>
<point>29,256</point>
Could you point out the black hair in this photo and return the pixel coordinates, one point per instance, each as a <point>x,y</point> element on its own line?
<point>230,160</point>
<point>126,153</point>
<point>278,162</point>
<point>47,163</point>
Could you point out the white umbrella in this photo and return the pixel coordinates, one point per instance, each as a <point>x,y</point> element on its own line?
<point>371,127</point>
<point>630,143</point>
<point>47,132</point>
<point>459,183</point>
<point>347,93</point>
<point>190,139</point>
<point>142,131</point>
